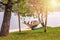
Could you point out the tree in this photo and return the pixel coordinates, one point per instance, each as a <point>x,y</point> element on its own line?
<point>22,8</point>
<point>7,17</point>
<point>40,7</point>
<point>18,4</point>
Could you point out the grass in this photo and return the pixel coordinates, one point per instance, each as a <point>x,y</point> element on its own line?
<point>51,34</point>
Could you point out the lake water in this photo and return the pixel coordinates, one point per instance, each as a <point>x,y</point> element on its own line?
<point>53,20</point>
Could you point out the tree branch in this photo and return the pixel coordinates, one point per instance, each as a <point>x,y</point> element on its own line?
<point>2,3</point>
<point>15,2</point>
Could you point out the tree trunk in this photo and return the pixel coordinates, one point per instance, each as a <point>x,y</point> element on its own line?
<point>45,27</point>
<point>6,19</point>
<point>18,4</point>
<point>40,17</point>
<point>19,21</point>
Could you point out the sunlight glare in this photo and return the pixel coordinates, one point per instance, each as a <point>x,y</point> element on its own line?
<point>54,3</point>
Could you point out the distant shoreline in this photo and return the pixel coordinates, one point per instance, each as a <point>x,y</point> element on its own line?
<point>16,30</point>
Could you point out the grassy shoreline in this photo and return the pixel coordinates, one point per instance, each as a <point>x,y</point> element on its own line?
<point>51,34</point>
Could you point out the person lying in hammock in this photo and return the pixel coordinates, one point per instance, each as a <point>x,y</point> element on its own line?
<point>32,24</point>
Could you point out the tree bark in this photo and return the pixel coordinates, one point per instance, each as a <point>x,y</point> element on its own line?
<point>45,27</point>
<point>19,21</point>
<point>18,4</point>
<point>40,17</point>
<point>6,19</point>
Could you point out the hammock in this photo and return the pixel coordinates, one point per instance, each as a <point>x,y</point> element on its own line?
<point>32,24</point>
